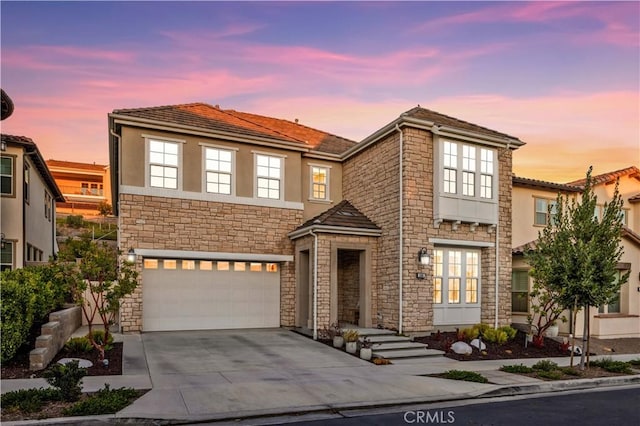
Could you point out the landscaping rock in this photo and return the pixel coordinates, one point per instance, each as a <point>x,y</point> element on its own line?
<point>477,343</point>
<point>461,348</point>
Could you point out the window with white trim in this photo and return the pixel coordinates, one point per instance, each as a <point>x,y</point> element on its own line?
<point>613,307</point>
<point>545,210</point>
<point>6,175</point>
<point>27,182</point>
<point>486,173</point>
<point>468,170</point>
<point>475,171</point>
<point>450,266</point>
<point>450,166</point>
<point>268,176</point>
<point>520,291</point>
<point>163,164</point>
<point>218,170</point>
<point>6,256</point>
<point>319,183</point>
<point>48,209</point>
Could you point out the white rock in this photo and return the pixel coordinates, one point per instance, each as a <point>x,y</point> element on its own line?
<point>477,343</point>
<point>461,348</point>
<point>82,363</point>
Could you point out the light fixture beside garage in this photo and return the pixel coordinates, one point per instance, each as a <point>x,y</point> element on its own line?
<point>131,256</point>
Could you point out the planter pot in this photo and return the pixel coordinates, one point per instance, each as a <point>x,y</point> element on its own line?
<point>352,347</point>
<point>365,353</point>
<point>338,341</point>
<point>552,331</point>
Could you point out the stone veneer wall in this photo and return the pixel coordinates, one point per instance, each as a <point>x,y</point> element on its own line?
<point>372,186</point>
<point>151,222</point>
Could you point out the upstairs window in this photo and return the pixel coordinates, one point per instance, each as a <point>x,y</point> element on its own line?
<point>163,164</point>
<point>520,291</point>
<point>27,182</point>
<point>545,211</point>
<point>468,170</point>
<point>486,173</point>
<point>268,176</point>
<point>218,170</point>
<point>450,166</point>
<point>48,209</point>
<point>472,167</point>
<point>6,175</point>
<point>319,183</point>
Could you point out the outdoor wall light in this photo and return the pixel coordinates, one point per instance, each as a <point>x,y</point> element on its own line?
<point>131,256</point>
<point>423,256</point>
<point>2,240</point>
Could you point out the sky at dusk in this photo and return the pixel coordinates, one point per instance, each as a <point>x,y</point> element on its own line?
<point>562,77</point>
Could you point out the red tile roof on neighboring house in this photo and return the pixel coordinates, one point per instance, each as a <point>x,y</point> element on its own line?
<point>32,150</point>
<point>610,177</point>
<point>630,235</point>
<point>635,199</point>
<point>343,214</point>
<point>531,245</point>
<point>540,184</point>
<point>445,120</point>
<point>213,118</point>
<point>74,165</point>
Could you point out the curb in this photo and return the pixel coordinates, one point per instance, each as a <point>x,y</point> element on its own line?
<point>507,390</point>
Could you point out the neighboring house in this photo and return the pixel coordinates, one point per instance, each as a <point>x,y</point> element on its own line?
<point>531,199</point>
<point>83,185</point>
<point>28,197</point>
<point>240,220</point>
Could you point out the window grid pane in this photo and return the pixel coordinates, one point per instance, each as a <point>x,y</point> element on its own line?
<point>468,184</point>
<point>449,181</point>
<point>163,161</point>
<point>268,173</point>
<point>451,155</point>
<point>438,269</point>
<point>454,290</point>
<point>468,158</point>
<point>319,186</point>
<point>471,290</point>
<point>486,161</point>
<point>486,186</point>
<point>437,290</point>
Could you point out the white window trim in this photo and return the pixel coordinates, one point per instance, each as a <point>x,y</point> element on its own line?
<point>147,164</point>
<point>463,284</point>
<point>459,171</point>
<point>13,176</point>
<point>327,198</point>
<point>204,168</point>
<point>255,174</point>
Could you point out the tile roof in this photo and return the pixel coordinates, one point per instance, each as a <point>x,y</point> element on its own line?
<point>7,105</point>
<point>343,214</point>
<point>34,153</point>
<point>635,198</point>
<point>627,233</point>
<point>213,118</point>
<point>540,184</point>
<point>610,177</point>
<point>74,165</point>
<point>445,120</point>
<point>521,249</point>
<point>631,235</point>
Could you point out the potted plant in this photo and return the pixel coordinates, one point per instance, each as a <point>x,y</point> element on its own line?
<point>365,349</point>
<point>351,339</point>
<point>336,334</point>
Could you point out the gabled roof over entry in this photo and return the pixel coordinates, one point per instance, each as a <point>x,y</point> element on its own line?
<point>343,218</point>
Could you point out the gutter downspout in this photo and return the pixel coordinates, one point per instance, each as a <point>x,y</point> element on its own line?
<point>115,190</point>
<point>400,236</point>
<point>315,284</point>
<point>495,325</point>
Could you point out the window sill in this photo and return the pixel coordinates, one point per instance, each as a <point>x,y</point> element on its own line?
<point>319,201</point>
<point>615,315</point>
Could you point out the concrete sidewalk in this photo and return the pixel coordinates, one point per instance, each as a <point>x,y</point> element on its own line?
<point>314,384</point>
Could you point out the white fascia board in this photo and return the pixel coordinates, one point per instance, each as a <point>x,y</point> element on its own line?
<point>461,243</point>
<point>212,255</point>
<point>334,230</point>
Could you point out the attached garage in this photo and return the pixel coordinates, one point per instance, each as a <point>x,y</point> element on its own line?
<point>184,294</point>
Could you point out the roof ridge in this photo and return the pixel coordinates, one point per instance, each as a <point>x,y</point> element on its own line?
<point>153,108</point>
<point>617,173</point>
<point>230,112</point>
<point>416,108</point>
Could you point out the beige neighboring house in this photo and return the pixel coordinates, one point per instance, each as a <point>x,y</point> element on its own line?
<point>84,186</point>
<point>531,198</point>
<point>28,204</point>
<point>240,220</point>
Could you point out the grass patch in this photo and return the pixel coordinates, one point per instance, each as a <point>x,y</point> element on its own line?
<point>467,376</point>
<point>612,366</point>
<point>29,400</point>
<point>570,371</point>
<point>550,374</point>
<point>104,401</point>
<point>518,369</point>
<point>545,365</point>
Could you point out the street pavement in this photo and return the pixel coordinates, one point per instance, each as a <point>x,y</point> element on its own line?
<point>232,374</point>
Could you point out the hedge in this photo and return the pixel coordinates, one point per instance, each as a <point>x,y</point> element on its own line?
<point>28,295</point>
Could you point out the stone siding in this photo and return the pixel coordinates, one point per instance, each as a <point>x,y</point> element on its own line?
<point>151,222</point>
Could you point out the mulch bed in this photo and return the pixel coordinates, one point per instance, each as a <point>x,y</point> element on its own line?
<point>512,349</point>
<point>18,367</point>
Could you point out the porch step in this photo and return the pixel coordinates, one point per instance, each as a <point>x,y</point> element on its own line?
<point>398,346</point>
<point>390,338</point>
<point>407,353</point>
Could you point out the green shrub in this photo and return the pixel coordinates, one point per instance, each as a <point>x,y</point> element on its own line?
<point>549,374</point>
<point>98,337</point>
<point>545,365</point>
<point>67,378</point>
<point>104,401</point>
<point>74,221</point>
<point>467,376</point>
<point>78,345</point>
<point>471,333</point>
<point>570,371</point>
<point>17,309</point>
<point>493,335</point>
<point>28,400</point>
<point>482,328</point>
<point>519,368</point>
<point>511,332</point>
<point>635,362</point>
<point>612,366</point>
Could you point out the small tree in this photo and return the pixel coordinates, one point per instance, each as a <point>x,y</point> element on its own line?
<point>104,284</point>
<point>576,254</point>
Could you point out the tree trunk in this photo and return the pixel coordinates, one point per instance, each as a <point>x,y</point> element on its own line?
<point>585,332</point>
<point>573,331</point>
<point>588,338</point>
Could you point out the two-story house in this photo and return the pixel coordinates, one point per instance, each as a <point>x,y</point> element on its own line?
<point>531,201</point>
<point>240,220</point>
<point>28,194</point>
<point>84,186</point>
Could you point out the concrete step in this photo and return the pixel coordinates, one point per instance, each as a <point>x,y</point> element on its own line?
<point>371,331</point>
<point>388,339</point>
<point>398,346</point>
<point>407,353</point>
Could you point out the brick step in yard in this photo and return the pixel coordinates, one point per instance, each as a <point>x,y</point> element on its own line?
<point>407,353</point>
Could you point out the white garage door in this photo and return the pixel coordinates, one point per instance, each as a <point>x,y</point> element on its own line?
<point>205,295</point>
